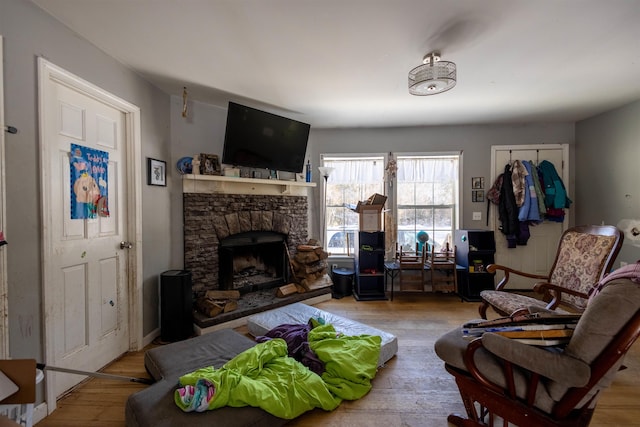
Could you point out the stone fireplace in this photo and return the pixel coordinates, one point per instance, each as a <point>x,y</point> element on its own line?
<point>212,218</point>
<point>238,233</point>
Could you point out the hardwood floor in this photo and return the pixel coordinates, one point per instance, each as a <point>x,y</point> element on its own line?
<point>413,389</point>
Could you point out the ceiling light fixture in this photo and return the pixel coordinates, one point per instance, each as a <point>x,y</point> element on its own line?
<point>433,76</point>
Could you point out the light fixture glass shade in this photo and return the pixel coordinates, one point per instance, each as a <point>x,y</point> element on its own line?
<point>325,171</point>
<point>432,77</point>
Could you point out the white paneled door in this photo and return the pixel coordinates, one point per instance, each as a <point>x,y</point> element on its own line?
<point>87,293</point>
<point>538,254</point>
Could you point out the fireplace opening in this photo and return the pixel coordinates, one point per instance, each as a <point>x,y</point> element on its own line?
<point>253,261</point>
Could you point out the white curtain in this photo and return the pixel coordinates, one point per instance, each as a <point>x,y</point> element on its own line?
<point>431,169</point>
<point>357,170</point>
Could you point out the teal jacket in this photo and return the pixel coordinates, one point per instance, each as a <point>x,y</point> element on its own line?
<point>555,194</point>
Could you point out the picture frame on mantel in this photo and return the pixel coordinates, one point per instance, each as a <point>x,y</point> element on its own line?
<point>156,172</point>
<point>210,164</point>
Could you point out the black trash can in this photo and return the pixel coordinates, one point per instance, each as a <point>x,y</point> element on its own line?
<point>176,305</point>
<point>342,282</point>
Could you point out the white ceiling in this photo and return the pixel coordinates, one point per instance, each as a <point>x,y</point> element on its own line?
<point>344,63</point>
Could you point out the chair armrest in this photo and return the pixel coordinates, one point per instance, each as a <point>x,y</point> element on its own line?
<point>555,291</point>
<point>559,367</point>
<point>492,268</point>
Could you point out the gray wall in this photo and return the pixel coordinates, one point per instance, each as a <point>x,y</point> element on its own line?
<point>203,132</point>
<point>29,33</point>
<point>474,141</point>
<point>607,159</point>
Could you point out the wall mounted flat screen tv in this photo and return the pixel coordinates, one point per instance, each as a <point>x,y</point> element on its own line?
<point>258,139</point>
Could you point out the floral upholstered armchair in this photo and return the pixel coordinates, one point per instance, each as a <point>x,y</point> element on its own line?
<point>585,255</point>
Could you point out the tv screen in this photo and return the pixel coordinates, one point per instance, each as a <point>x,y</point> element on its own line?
<point>258,139</point>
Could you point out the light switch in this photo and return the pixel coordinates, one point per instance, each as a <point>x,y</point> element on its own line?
<point>477,216</point>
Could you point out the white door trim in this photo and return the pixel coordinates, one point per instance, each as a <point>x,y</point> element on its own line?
<point>50,72</point>
<point>4,284</point>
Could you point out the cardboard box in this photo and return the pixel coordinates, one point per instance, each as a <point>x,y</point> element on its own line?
<point>377,199</point>
<point>370,217</point>
<point>370,212</point>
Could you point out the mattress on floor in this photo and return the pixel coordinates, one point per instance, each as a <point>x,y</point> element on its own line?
<point>155,406</point>
<point>299,313</point>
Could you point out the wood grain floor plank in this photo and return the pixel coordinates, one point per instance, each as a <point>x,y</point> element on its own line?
<point>411,390</point>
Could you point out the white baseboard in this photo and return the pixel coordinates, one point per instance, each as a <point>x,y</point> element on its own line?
<point>148,339</point>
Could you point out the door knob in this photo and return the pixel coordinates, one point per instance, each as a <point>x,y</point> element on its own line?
<point>126,245</point>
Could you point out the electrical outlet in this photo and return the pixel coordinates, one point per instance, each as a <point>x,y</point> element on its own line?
<point>477,216</point>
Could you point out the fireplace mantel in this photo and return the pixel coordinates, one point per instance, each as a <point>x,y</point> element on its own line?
<point>232,185</point>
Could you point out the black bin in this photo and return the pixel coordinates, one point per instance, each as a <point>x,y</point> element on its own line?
<point>176,305</point>
<point>342,282</point>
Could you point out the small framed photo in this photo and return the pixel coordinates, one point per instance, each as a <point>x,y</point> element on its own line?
<point>156,172</point>
<point>273,174</point>
<point>210,164</point>
<point>477,195</point>
<point>477,183</point>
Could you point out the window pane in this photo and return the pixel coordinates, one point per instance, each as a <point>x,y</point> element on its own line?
<point>424,193</point>
<point>405,193</point>
<point>427,188</point>
<point>443,218</point>
<point>444,194</point>
<point>353,179</point>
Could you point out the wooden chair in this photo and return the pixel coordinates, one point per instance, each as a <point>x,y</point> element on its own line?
<point>411,276</point>
<point>585,255</point>
<point>505,382</point>
<point>442,266</point>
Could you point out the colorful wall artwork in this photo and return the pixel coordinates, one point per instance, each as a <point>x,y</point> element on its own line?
<point>89,190</point>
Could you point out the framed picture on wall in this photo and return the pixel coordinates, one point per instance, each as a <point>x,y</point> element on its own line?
<point>156,172</point>
<point>210,164</point>
<point>477,183</point>
<point>477,195</point>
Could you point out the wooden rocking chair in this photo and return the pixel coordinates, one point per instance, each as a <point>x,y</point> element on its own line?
<point>505,382</point>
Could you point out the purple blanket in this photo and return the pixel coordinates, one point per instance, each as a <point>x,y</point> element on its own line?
<point>295,335</point>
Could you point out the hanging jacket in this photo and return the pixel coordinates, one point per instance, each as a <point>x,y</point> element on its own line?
<point>518,173</point>
<point>554,190</point>
<point>507,209</point>
<point>542,209</point>
<point>529,209</point>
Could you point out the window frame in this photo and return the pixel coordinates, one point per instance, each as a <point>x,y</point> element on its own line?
<point>390,185</point>
<point>323,204</point>
<point>457,201</point>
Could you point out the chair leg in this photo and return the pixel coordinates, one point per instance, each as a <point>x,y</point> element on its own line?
<point>482,309</point>
<point>460,421</point>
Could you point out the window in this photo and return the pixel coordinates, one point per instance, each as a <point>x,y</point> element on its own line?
<point>353,179</point>
<point>425,190</point>
<point>427,194</point>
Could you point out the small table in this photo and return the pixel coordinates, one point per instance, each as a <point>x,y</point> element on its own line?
<point>392,269</point>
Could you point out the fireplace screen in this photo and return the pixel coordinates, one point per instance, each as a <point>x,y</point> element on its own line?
<point>253,261</point>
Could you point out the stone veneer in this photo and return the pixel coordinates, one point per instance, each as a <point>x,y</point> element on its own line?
<point>208,218</point>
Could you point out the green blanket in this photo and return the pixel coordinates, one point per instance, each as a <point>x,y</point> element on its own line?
<point>265,376</point>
